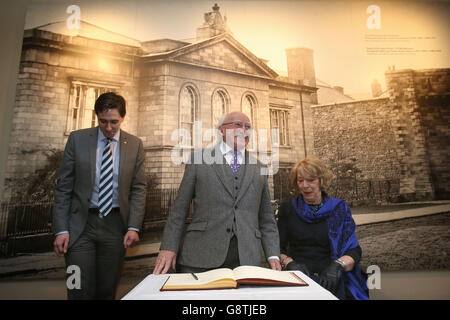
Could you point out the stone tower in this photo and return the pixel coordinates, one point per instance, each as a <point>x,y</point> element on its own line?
<point>300,65</point>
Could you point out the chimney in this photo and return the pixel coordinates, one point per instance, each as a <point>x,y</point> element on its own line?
<point>300,64</point>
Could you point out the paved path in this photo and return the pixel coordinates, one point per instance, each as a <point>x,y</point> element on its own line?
<point>369,218</point>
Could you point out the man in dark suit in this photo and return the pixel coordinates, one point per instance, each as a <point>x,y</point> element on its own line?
<point>232,216</point>
<point>99,200</point>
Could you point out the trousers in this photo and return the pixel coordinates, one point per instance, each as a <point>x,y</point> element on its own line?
<point>98,253</point>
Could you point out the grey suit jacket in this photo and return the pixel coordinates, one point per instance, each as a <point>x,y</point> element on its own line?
<point>76,178</point>
<point>207,237</point>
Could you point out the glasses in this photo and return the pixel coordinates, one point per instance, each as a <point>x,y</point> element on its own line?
<point>239,124</point>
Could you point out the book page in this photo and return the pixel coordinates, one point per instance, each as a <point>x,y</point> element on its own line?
<point>186,279</point>
<point>252,272</point>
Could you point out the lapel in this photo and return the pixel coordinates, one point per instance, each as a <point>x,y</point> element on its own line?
<point>93,137</point>
<point>248,176</point>
<point>123,140</point>
<point>219,169</point>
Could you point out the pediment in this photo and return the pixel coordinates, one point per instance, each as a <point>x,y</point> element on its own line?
<point>223,52</point>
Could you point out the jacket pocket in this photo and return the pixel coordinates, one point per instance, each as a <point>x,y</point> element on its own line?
<point>197,226</point>
<point>258,234</point>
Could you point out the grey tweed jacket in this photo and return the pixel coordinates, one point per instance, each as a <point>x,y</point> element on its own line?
<point>220,211</point>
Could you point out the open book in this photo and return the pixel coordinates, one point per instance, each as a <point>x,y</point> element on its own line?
<point>229,279</point>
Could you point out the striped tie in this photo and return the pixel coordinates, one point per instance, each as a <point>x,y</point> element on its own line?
<point>105,195</point>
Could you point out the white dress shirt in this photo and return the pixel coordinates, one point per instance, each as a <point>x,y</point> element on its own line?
<point>228,153</point>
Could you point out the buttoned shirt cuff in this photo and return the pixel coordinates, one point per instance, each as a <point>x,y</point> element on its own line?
<point>273,257</point>
<point>133,229</point>
<point>61,232</point>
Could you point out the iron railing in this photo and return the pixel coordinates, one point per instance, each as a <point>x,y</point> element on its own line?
<point>19,220</point>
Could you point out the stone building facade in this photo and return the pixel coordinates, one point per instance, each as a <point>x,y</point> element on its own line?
<point>391,148</point>
<point>395,147</point>
<point>168,84</point>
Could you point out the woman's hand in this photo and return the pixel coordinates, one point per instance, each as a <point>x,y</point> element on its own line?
<point>329,278</point>
<point>294,266</point>
<point>347,262</point>
<point>284,259</point>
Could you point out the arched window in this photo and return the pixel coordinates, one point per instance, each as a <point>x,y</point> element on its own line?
<point>249,107</point>
<point>188,112</point>
<point>219,106</point>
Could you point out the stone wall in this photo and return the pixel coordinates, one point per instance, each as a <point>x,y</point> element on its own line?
<point>433,96</point>
<point>358,143</point>
<point>390,149</point>
<point>415,180</point>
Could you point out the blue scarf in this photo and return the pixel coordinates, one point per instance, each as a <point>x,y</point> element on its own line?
<point>341,232</point>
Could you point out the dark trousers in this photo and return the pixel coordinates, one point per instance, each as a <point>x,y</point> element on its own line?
<point>231,260</point>
<point>98,252</point>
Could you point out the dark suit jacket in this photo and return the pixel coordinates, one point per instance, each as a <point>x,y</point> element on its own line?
<point>76,178</point>
<point>207,237</point>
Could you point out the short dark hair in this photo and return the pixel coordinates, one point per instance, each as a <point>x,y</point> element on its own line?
<point>110,100</point>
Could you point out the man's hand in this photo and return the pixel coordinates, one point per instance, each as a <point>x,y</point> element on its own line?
<point>165,260</point>
<point>130,239</point>
<point>61,243</point>
<point>275,264</point>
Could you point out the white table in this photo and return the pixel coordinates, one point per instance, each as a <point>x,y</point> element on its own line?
<point>148,289</point>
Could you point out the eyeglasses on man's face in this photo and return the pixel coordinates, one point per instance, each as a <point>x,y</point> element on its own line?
<point>239,124</point>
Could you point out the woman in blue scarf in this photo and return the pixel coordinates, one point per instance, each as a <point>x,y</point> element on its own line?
<point>317,233</point>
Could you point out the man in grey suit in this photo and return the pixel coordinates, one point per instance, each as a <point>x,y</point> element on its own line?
<point>99,200</point>
<point>232,212</point>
